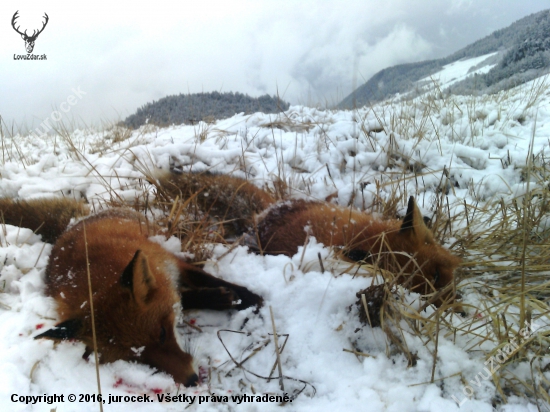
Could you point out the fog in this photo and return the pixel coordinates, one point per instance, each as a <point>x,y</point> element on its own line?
<point>115,57</point>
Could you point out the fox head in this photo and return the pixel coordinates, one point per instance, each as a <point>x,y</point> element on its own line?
<point>411,252</point>
<point>135,323</point>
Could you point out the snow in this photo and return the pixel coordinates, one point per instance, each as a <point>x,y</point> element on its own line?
<point>459,70</point>
<point>481,142</point>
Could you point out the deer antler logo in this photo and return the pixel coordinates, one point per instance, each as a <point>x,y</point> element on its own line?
<point>29,40</point>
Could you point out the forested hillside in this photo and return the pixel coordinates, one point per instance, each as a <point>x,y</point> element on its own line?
<point>527,58</point>
<point>524,54</point>
<point>192,108</point>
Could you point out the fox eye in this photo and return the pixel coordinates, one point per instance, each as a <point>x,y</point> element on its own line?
<point>162,337</point>
<point>357,255</point>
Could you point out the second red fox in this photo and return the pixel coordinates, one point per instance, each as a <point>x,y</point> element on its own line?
<point>136,285</point>
<point>404,247</point>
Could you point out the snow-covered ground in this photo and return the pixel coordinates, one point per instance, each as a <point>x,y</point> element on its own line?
<point>392,149</point>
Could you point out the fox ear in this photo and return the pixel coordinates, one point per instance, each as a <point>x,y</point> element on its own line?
<point>413,224</point>
<point>137,277</point>
<point>70,329</point>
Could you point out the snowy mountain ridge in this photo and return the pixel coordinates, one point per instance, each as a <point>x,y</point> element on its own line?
<point>519,53</point>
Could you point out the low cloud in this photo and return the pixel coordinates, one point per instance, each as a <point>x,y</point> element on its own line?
<point>126,54</point>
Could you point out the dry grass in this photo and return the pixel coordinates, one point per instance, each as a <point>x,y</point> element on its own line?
<point>506,263</point>
<point>503,242</point>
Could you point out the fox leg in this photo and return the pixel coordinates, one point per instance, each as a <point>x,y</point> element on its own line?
<point>220,298</point>
<point>200,290</point>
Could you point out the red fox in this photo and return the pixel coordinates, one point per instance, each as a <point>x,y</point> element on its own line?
<point>402,247</point>
<point>226,198</point>
<point>135,285</point>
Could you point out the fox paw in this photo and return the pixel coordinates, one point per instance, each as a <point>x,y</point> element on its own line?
<point>247,299</point>
<point>226,298</point>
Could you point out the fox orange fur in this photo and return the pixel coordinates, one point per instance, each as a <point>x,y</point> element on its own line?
<point>136,284</point>
<point>47,217</point>
<point>229,199</point>
<point>406,248</point>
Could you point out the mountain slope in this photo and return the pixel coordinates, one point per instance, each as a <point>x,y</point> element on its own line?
<point>524,54</point>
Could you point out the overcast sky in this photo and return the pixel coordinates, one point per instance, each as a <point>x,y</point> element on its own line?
<point>116,56</point>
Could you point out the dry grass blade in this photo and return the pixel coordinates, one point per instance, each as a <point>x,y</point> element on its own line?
<point>525,225</point>
<point>277,353</point>
<point>91,300</point>
<point>293,394</point>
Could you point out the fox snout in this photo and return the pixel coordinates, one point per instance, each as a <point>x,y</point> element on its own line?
<point>170,358</point>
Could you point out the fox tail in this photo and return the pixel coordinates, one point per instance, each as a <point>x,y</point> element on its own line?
<point>48,217</point>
